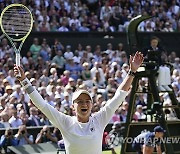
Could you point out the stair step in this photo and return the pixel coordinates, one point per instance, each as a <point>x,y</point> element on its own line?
<point>174,136</point>
<point>141,92</point>
<point>173,122</point>
<point>172,106</point>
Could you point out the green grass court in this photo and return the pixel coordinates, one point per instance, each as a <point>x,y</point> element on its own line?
<point>109,152</point>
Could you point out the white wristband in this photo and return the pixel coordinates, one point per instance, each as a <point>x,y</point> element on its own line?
<point>27,86</point>
<point>26,83</point>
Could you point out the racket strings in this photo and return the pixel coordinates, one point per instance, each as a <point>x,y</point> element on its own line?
<point>16,22</point>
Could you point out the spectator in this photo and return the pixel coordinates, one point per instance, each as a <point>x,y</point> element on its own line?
<point>35,48</point>
<point>15,121</point>
<point>123,114</point>
<point>102,16</point>
<point>65,102</point>
<point>68,54</point>
<point>176,63</point>
<point>45,51</point>
<point>17,92</point>
<point>10,78</point>
<point>23,137</point>
<point>45,136</point>
<point>118,76</point>
<point>63,27</point>
<point>116,17</point>
<point>8,139</point>
<point>49,100</point>
<point>139,115</point>
<point>98,82</point>
<point>44,78</point>
<point>53,75</point>
<point>115,136</point>
<point>44,120</point>
<point>4,119</point>
<point>111,86</point>
<point>86,75</point>
<point>80,50</point>
<point>74,68</point>
<point>97,69</point>
<point>58,45</point>
<point>44,26</point>
<point>116,117</point>
<point>24,117</point>
<point>141,101</point>
<point>65,77</point>
<point>59,61</point>
<point>169,112</point>
<point>33,119</point>
<point>84,28</point>
<point>57,133</point>
<point>106,11</point>
<point>97,54</point>
<point>74,21</point>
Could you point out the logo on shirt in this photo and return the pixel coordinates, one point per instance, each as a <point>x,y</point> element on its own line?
<point>92,129</point>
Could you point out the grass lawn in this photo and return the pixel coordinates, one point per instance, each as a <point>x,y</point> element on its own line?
<point>109,152</point>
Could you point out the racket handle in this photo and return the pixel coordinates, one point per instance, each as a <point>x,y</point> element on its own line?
<point>18,64</point>
<point>17,59</point>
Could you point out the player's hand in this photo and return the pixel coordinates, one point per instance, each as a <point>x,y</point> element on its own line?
<point>17,70</point>
<point>136,61</point>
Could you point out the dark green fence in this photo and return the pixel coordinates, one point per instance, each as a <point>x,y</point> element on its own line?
<point>35,130</point>
<point>170,41</point>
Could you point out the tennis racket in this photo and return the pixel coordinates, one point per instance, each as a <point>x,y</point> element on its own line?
<point>16,23</point>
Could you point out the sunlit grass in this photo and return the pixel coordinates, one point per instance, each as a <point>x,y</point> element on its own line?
<point>109,152</point>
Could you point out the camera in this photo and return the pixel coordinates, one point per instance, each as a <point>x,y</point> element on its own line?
<point>167,111</point>
<point>9,133</point>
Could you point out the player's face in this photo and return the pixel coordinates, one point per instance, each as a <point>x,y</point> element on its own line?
<point>82,106</point>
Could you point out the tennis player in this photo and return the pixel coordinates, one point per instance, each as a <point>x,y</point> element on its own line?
<point>83,133</point>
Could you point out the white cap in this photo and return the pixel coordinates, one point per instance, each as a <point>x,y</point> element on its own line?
<point>71,79</point>
<point>138,106</point>
<point>57,96</point>
<point>32,79</point>
<point>15,87</point>
<point>66,94</point>
<point>19,105</point>
<point>114,63</point>
<point>76,94</point>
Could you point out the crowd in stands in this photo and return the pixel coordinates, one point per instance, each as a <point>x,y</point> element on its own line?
<point>56,71</point>
<point>101,15</point>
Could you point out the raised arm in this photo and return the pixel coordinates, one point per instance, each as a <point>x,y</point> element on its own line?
<point>108,110</point>
<point>59,119</point>
<point>134,62</point>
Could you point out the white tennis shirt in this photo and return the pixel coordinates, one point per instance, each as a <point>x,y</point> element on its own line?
<point>79,138</point>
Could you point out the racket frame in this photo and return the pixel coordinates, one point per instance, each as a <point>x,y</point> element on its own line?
<point>12,40</point>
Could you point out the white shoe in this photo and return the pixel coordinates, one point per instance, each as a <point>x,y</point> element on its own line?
<point>167,88</point>
<point>161,88</point>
